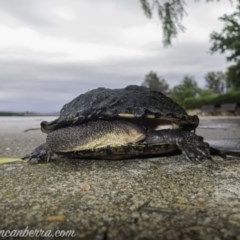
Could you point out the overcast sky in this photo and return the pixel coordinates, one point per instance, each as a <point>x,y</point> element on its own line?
<point>53,50</point>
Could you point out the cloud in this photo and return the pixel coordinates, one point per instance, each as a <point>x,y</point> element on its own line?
<point>49,85</point>
<point>36,45</point>
<point>51,51</point>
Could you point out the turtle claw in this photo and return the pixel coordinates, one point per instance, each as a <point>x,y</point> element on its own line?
<point>40,154</point>
<point>194,148</point>
<point>195,153</point>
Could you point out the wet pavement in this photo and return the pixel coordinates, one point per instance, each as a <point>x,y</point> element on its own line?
<point>222,133</point>
<point>157,198</point>
<point>219,123</point>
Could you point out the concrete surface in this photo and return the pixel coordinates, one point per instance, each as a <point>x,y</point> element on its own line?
<point>158,198</point>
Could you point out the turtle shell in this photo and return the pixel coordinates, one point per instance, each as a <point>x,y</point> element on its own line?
<point>131,102</point>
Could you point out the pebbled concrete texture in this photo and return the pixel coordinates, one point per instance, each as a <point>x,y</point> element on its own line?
<point>157,198</point>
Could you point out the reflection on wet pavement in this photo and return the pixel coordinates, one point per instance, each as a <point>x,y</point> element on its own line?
<point>221,133</point>
<point>220,123</point>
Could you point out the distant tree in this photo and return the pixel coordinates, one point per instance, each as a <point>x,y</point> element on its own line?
<point>170,13</point>
<point>233,76</point>
<point>156,83</point>
<point>228,41</point>
<point>188,88</point>
<point>215,81</point>
<point>206,93</point>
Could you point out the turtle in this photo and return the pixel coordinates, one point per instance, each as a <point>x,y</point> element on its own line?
<point>124,123</point>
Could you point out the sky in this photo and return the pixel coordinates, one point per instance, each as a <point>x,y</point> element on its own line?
<point>53,50</point>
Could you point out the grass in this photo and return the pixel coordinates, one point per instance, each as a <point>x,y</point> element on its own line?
<point>231,97</point>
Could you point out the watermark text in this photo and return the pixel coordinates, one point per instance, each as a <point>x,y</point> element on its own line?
<point>41,233</point>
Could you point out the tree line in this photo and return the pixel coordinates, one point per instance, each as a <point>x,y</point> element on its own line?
<point>188,86</point>
<point>227,41</point>
<point>171,13</point>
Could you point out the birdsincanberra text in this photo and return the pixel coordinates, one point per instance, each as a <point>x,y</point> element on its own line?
<point>39,233</point>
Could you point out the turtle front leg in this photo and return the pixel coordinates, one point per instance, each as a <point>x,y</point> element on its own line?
<point>192,145</point>
<point>40,154</point>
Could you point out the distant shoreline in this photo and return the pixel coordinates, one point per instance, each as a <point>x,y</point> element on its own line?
<point>24,114</point>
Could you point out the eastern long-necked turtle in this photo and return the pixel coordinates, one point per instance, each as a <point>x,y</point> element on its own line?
<point>121,123</point>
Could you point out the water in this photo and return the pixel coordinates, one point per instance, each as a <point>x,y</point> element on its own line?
<point>9,124</point>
